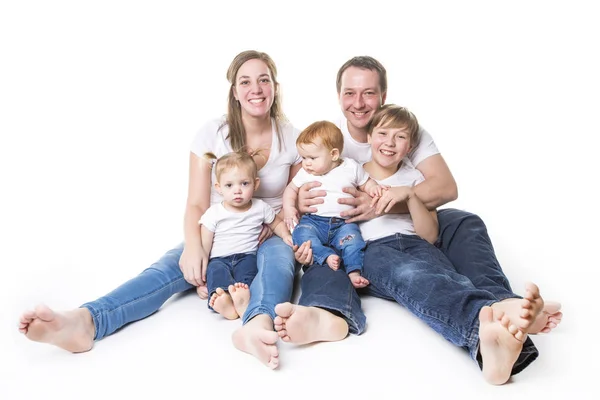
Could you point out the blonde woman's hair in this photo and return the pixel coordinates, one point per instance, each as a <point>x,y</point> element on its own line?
<point>235,159</point>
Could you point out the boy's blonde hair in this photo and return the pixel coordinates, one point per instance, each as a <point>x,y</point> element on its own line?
<point>235,159</point>
<point>396,117</point>
<point>328,132</point>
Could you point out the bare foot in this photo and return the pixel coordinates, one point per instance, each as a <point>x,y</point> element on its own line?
<point>333,261</point>
<point>357,280</point>
<point>240,294</point>
<point>71,330</point>
<point>301,325</point>
<point>522,312</point>
<point>258,339</point>
<point>202,292</point>
<point>499,348</point>
<point>222,303</point>
<point>548,319</point>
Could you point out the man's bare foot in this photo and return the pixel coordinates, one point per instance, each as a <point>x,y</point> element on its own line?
<point>240,294</point>
<point>222,303</point>
<point>333,261</point>
<point>301,325</point>
<point>258,339</point>
<point>357,280</point>
<point>522,312</point>
<point>499,348</point>
<point>71,330</point>
<point>548,319</point>
<point>202,292</point>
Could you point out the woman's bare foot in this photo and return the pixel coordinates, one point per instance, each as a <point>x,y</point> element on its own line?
<point>71,330</point>
<point>357,280</point>
<point>333,261</point>
<point>222,303</point>
<point>240,294</point>
<point>548,319</point>
<point>522,312</point>
<point>499,348</point>
<point>202,292</point>
<point>258,339</point>
<point>301,325</point>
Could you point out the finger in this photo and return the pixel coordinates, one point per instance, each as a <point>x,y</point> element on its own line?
<point>374,201</point>
<point>389,206</point>
<point>350,190</point>
<point>316,193</point>
<point>313,184</point>
<point>204,271</point>
<point>198,276</point>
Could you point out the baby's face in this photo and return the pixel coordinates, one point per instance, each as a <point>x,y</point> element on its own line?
<point>317,159</point>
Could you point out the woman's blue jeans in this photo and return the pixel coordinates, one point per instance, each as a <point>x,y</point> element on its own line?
<point>147,292</point>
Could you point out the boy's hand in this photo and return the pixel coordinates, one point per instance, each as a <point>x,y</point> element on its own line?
<point>391,197</point>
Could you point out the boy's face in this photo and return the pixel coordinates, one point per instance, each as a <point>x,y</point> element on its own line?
<point>360,96</point>
<point>317,159</point>
<point>237,187</point>
<point>389,146</point>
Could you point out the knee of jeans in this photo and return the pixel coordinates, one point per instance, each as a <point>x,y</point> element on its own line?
<point>302,233</point>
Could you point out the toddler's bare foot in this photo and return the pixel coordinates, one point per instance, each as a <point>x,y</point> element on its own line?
<point>357,280</point>
<point>240,294</point>
<point>222,303</point>
<point>258,339</point>
<point>333,261</point>
<point>522,312</point>
<point>499,348</point>
<point>301,325</point>
<point>548,319</point>
<point>71,330</point>
<point>202,292</point>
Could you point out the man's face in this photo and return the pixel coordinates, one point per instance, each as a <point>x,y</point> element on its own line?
<point>360,96</point>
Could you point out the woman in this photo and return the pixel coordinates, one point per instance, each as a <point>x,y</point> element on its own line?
<point>254,121</point>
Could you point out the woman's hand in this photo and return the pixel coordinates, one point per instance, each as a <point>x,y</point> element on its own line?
<point>265,234</point>
<point>193,263</point>
<point>303,254</point>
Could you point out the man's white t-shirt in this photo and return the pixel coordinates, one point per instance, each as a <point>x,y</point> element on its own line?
<point>273,176</point>
<point>361,152</point>
<point>348,173</point>
<point>390,224</point>
<point>236,232</point>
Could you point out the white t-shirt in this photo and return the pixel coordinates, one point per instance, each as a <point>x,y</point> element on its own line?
<point>348,173</point>
<point>390,224</point>
<point>273,176</point>
<point>361,152</point>
<point>236,232</point>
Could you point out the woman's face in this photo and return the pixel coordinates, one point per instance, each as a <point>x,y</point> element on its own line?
<point>389,146</point>
<point>254,88</point>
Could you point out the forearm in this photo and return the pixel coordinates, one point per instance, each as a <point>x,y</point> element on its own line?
<point>190,225</point>
<point>426,225</point>
<point>290,196</point>
<point>279,228</point>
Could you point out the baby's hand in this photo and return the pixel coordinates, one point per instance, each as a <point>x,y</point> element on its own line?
<point>288,239</point>
<point>290,217</point>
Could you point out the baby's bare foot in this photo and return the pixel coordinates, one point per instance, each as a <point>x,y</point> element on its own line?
<point>240,294</point>
<point>522,312</point>
<point>333,261</point>
<point>548,319</point>
<point>357,280</point>
<point>258,339</point>
<point>301,325</point>
<point>222,303</point>
<point>71,330</point>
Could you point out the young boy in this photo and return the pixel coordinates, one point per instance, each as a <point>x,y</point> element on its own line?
<point>230,232</point>
<point>320,146</point>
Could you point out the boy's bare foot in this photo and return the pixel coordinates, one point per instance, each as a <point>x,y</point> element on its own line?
<point>202,292</point>
<point>522,312</point>
<point>301,325</point>
<point>71,330</point>
<point>357,280</point>
<point>548,319</point>
<point>499,348</point>
<point>333,261</point>
<point>258,339</point>
<point>222,303</point>
<point>240,294</point>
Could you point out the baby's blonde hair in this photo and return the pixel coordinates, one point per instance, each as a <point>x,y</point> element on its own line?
<point>235,159</point>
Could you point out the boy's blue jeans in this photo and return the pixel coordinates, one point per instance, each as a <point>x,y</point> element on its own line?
<point>224,271</point>
<point>329,236</point>
<point>147,292</point>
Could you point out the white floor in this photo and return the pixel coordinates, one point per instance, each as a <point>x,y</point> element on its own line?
<point>99,105</point>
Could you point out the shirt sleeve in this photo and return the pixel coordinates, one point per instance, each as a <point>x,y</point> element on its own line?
<point>362,176</point>
<point>301,178</point>
<point>425,149</point>
<point>269,213</point>
<point>207,138</point>
<point>209,219</point>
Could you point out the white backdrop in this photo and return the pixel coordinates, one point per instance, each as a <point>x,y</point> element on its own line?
<point>100,101</point>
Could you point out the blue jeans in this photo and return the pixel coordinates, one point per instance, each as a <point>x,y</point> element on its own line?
<point>224,271</point>
<point>330,236</point>
<point>147,292</point>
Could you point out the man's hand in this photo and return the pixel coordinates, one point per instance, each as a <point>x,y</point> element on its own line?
<point>307,199</point>
<point>303,254</point>
<point>361,202</point>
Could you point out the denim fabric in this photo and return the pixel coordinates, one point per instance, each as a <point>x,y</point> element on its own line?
<point>331,236</point>
<point>274,281</point>
<point>140,296</point>
<point>224,271</point>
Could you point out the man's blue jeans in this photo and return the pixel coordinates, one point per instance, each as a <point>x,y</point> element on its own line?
<point>448,299</point>
<point>147,292</point>
<point>224,271</point>
<point>330,236</point>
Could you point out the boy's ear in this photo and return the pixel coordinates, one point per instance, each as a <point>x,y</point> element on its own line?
<point>335,154</point>
<point>256,183</point>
